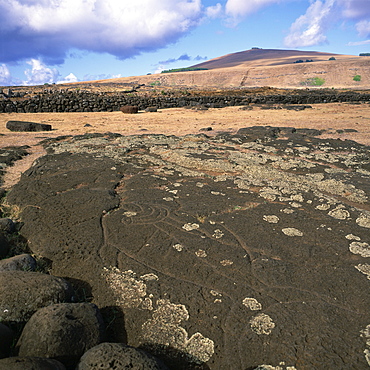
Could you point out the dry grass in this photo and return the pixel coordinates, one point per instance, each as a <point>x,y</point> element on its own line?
<point>181,121</point>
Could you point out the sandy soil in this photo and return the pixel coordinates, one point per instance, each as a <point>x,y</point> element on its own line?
<point>181,121</point>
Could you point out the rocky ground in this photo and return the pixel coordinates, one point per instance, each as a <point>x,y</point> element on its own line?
<point>236,250</point>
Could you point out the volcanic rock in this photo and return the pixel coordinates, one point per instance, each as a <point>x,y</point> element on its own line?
<point>130,109</point>
<point>30,363</point>
<point>22,262</point>
<point>22,293</point>
<point>27,126</point>
<point>227,252</point>
<point>62,331</point>
<point>118,356</point>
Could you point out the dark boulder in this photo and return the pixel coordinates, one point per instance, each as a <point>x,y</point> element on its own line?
<point>27,126</point>
<point>22,262</point>
<point>130,109</point>
<point>151,109</point>
<point>62,331</point>
<point>7,225</point>
<point>22,293</point>
<point>118,356</point>
<point>30,363</point>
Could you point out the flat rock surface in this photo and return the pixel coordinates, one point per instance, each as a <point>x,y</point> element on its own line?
<point>233,250</point>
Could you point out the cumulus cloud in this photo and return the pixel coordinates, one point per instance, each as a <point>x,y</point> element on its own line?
<point>5,77</point>
<point>237,9</point>
<point>49,28</point>
<point>309,29</point>
<point>355,9</point>
<point>68,79</point>
<point>39,73</point>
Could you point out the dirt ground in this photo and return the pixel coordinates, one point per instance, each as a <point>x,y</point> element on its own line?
<point>182,121</point>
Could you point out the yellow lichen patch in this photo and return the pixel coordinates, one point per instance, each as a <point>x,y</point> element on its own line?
<point>291,231</point>
<point>364,220</point>
<point>272,219</point>
<point>262,324</point>
<point>165,328</point>
<point>252,304</point>
<point>129,290</point>
<point>362,249</point>
<point>364,268</point>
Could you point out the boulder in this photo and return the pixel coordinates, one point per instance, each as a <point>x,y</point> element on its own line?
<point>22,293</point>
<point>151,109</point>
<point>6,340</point>
<point>27,126</point>
<point>30,363</point>
<point>118,356</point>
<point>62,331</point>
<point>23,262</point>
<point>7,225</point>
<point>130,109</point>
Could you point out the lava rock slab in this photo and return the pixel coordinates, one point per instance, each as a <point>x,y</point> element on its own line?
<point>225,252</point>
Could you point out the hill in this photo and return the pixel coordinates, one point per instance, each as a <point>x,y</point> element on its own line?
<point>267,67</point>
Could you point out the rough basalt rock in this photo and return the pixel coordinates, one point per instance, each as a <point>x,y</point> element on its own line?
<point>22,293</point>
<point>130,109</point>
<point>22,262</point>
<point>117,356</point>
<point>27,126</point>
<point>30,363</point>
<point>62,331</point>
<point>226,252</point>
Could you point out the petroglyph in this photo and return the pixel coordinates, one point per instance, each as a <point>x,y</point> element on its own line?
<point>213,224</point>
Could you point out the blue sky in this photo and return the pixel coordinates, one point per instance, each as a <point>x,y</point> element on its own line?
<point>54,41</point>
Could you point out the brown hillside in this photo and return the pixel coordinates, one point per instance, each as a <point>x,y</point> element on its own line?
<point>265,67</point>
<point>267,57</point>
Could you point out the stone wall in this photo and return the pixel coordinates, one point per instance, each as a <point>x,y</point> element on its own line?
<point>81,101</point>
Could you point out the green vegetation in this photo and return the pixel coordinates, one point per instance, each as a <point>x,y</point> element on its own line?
<point>155,83</point>
<point>302,61</point>
<point>364,54</point>
<point>357,78</point>
<point>332,58</point>
<point>184,70</point>
<point>313,81</point>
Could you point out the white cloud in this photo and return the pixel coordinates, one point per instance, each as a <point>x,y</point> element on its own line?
<point>68,79</point>
<point>355,9</point>
<point>5,77</point>
<point>241,8</point>
<point>49,28</point>
<point>358,43</point>
<point>214,11</point>
<point>40,74</point>
<point>309,29</point>
<point>363,28</point>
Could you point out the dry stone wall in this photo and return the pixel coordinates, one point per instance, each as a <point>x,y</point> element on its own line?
<point>80,101</point>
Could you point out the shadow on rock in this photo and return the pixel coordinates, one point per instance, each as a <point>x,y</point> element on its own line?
<point>114,320</point>
<point>174,358</point>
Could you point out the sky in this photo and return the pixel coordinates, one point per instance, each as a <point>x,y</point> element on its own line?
<point>57,41</point>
